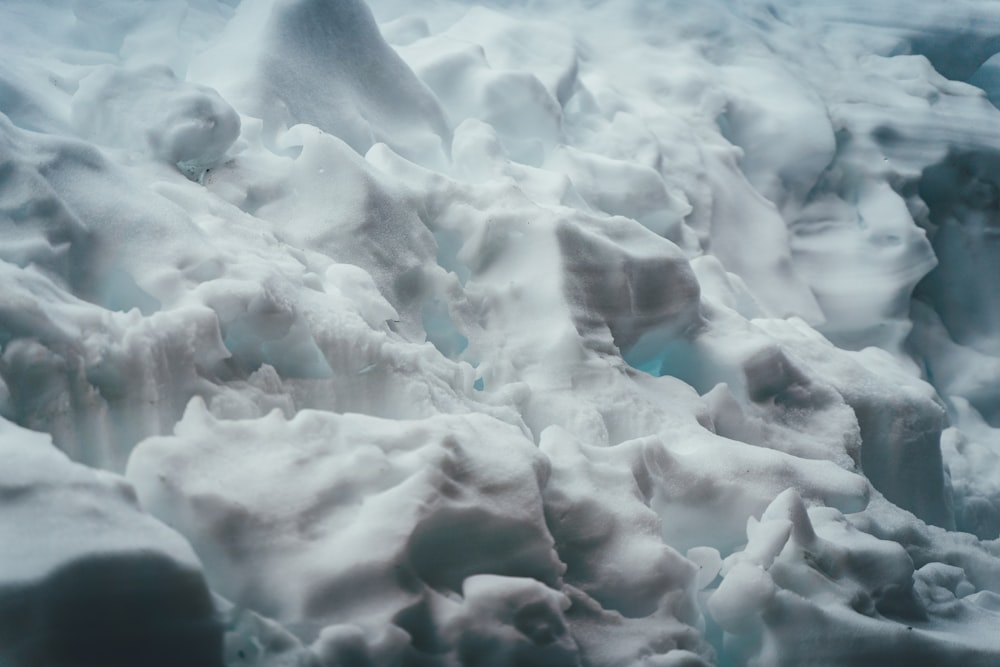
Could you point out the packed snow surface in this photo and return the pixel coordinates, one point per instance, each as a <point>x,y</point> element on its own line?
<point>587,333</point>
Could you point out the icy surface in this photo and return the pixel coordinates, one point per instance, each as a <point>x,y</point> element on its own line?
<point>499,334</point>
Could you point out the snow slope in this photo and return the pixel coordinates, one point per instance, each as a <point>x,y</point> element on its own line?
<point>499,334</point>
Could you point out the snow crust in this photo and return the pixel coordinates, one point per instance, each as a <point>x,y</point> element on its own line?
<point>499,334</point>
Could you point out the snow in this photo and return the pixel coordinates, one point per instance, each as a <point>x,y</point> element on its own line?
<point>476,333</point>
<point>88,577</point>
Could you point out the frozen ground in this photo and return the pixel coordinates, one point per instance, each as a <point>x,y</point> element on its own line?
<point>648,333</point>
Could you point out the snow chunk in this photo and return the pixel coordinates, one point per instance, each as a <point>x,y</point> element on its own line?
<point>149,109</point>
<point>382,513</point>
<point>85,576</point>
<point>513,621</point>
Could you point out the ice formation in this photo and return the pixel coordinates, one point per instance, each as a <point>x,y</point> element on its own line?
<point>499,334</point>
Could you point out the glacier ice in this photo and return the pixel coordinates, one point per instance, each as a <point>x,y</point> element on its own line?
<point>369,332</point>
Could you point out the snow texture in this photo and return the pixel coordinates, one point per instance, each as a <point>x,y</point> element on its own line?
<point>499,334</point>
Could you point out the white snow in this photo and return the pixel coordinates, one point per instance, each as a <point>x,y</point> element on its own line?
<point>499,334</point>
